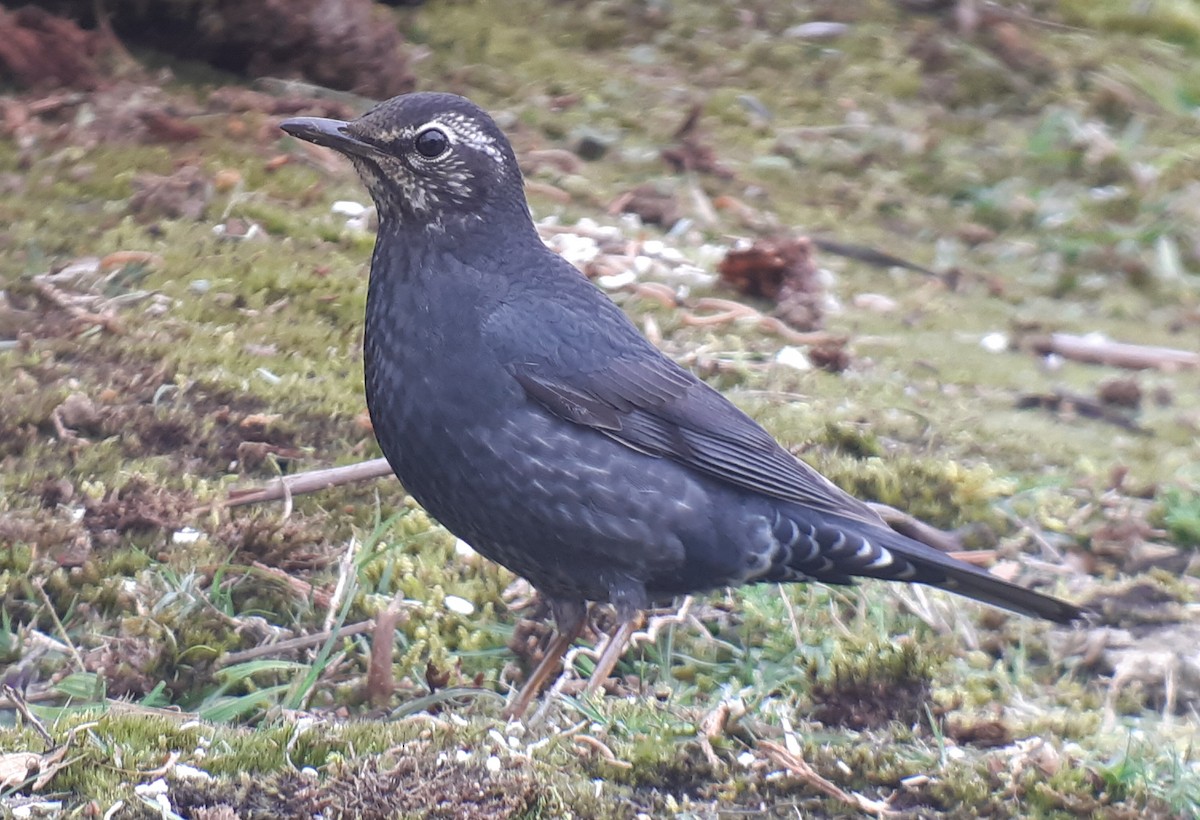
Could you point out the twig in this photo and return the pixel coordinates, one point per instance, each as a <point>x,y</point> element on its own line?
<point>701,203</point>
<point>728,311</point>
<point>308,482</point>
<point>63,432</point>
<point>791,613</point>
<point>870,256</point>
<point>715,724</point>
<point>44,643</point>
<point>656,624</point>
<point>62,630</point>
<point>798,767</point>
<point>1097,350</point>
<point>1066,403</point>
<point>287,502</point>
<point>381,681</point>
<point>913,599</point>
<point>299,587</point>
<point>606,754</point>
<point>18,702</point>
<point>344,582</point>
<point>55,102</point>
<point>302,642</point>
<point>656,291</point>
<point>286,87</point>
<point>995,10</point>
<point>773,324</point>
<point>64,302</point>
<point>114,706</point>
<point>916,529</point>
<point>1047,548</point>
<point>172,758</point>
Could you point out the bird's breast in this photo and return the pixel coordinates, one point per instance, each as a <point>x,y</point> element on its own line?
<point>428,378</point>
<point>560,503</point>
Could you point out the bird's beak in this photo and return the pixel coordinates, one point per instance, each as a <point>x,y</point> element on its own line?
<point>330,133</point>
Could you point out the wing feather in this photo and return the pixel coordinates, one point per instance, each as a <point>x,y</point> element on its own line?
<point>652,405</point>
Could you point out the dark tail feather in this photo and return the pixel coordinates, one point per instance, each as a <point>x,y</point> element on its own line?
<point>983,586</point>
<point>837,550</point>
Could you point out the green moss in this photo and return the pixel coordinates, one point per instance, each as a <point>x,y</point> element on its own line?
<point>944,494</point>
<point>869,686</point>
<point>1176,21</point>
<point>1180,514</point>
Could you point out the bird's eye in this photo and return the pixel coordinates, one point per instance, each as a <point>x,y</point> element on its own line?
<point>432,143</point>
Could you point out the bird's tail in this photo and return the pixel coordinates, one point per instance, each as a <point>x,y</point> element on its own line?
<point>837,550</point>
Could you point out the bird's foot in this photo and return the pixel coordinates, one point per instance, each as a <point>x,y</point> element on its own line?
<point>570,618</point>
<point>617,642</point>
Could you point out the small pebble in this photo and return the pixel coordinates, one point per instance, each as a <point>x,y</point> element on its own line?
<point>875,302</point>
<point>793,357</point>
<point>154,787</point>
<point>346,207</point>
<point>187,535</point>
<point>994,342</point>
<point>817,30</point>
<point>190,772</point>
<point>460,605</point>
<point>616,281</point>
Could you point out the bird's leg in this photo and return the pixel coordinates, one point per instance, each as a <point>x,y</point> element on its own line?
<point>628,620</point>
<point>569,618</point>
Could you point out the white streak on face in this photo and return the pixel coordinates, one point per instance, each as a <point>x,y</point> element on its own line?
<point>466,131</point>
<point>420,186</point>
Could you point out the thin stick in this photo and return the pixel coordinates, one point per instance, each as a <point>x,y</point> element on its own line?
<point>916,529</point>
<point>308,482</point>
<point>1094,350</point>
<point>791,613</point>
<point>18,702</point>
<point>381,681</point>
<point>56,297</point>
<point>302,642</point>
<point>798,767</point>
<point>345,580</point>
<point>62,630</point>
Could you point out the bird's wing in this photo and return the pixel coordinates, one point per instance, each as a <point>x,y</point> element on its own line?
<point>648,403</point>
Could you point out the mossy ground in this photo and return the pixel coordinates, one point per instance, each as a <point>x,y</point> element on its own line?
<point>1053,165</point>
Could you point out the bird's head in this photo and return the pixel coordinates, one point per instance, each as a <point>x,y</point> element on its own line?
<point>429,160</point>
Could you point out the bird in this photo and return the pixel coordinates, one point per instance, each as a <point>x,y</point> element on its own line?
<point>528,415</point>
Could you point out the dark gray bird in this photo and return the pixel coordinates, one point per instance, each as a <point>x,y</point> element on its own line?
<point>528,415</point>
